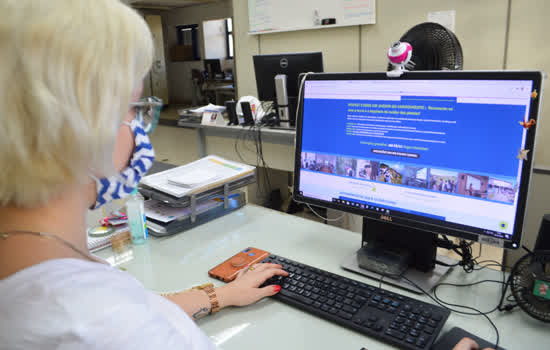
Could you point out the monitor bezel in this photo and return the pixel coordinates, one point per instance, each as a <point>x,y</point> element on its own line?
<point>420,222</point>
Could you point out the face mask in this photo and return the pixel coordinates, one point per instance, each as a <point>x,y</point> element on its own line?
<point>121,185</point>
<point>148,110</point>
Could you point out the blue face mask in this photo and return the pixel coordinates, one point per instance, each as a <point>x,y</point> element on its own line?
<point>123,184</point>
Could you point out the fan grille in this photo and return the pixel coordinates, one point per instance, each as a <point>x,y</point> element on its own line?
<point>523,281</point>
<point>434,48</point>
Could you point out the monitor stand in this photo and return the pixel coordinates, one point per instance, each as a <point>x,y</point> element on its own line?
<point>390,251</point>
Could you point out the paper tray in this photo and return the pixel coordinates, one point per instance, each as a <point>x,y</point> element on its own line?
<point>159,229</point>
<point>182,202</point>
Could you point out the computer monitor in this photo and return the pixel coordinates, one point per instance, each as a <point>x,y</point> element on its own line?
<point>267,67</point>
<point>424,154</point>
<point>212,67</point>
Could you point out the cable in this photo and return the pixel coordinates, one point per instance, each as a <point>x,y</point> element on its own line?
<point>323,218</point>
<point>444,305</point>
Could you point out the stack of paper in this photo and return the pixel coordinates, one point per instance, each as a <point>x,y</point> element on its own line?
<point>198,176</point>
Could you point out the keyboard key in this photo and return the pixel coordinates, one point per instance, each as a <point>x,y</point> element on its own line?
<point>308,288</point>
<point>407,307</point>
<point>412,317</point>
<point>344,315</point>
<point>381,307</point>
<point>429,330</point>
<point>364,293</point>
<point>416,311</point>
<point>437,317</point>
<point>409,323</point>
<point>386,301</point>
<point>331,295</point>
<point>373,318</point>
<point>414,333</point>
<point>296,296</point>
<point>369,324</point>
<point>341,292</point>
<point>338,305</point>
<point>391,310</point>
<point>314,296</point>
<point>410,340</point>
<point>315,290</point>
<point>292,288</point>
<point>350,295</point>
<point>332,310</point>
<point>350,289</point>
<point>395,334</point>
<point>373,303</point>
<point>339,299</point>
<point>377,327</point>
<point>377,298</point>
<point>418,326</point>
<point>330,302</point>
<point>348,308</point>
<point>395,304</point>
<point>358,320</point>
<point>360,299</point>
<point>348,301</point>
<point>422,319</point>
<point>432,323</point>
<point>403,313</point>
<point>421,341</point>
<point>307,294</point>
<point>404,329</point>
<point>325,308</point>
<point>356,304</point>
<point>317,304</point>
<point>427,314</point>
<point>394,325</point>
<point>301,285</point>
<point>322,299</point>
<point>400,319</point>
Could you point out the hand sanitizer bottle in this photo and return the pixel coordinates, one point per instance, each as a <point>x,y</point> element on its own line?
<point>136,218</point>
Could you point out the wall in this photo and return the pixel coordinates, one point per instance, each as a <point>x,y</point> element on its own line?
<point>179,73</point>
<point>494,34</point>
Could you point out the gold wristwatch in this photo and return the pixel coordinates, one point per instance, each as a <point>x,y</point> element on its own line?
<point>208,288</point>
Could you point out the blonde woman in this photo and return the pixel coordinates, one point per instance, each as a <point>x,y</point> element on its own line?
<point>70,70</point>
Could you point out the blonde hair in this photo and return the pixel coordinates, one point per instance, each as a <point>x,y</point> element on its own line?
<point>68,69</point>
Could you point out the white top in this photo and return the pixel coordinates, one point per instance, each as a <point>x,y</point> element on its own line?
<point>77,304</point>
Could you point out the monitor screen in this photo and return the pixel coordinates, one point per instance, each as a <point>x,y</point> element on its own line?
<point>267,67</point>
<point>437,150</point>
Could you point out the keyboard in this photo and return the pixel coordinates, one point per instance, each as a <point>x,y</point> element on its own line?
<point>387,316</point>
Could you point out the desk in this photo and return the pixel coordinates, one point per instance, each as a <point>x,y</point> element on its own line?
<point>181,261</point>
<point>278,145</point>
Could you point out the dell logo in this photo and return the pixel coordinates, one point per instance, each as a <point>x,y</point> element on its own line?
<point>283,62</point>
<point>386,218</point>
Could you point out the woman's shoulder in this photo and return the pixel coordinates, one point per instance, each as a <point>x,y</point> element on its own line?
<point>87,303</point>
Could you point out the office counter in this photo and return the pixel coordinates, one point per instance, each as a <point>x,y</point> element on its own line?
<point>182,261</point>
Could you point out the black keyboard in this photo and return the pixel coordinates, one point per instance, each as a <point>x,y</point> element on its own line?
<point>402,321</point>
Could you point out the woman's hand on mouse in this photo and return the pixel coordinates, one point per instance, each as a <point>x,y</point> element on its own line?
<point>468,344</point>
<point>245,289</point>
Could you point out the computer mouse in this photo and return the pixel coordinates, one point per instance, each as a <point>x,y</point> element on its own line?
<point>448,340</point>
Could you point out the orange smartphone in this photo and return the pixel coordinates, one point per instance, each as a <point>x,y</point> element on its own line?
<point>227,271</point>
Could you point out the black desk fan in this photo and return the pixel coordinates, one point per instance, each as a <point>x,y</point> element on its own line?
<point>434,47</point>
<point>530,284</point>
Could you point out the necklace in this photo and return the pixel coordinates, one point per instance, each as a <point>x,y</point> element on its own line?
<point>6,235</point>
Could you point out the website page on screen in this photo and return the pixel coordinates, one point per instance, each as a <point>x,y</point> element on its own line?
<point>441,149</point>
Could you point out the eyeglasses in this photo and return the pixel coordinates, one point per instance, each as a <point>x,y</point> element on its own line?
<point>148,111</point>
